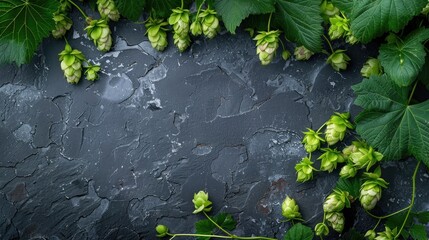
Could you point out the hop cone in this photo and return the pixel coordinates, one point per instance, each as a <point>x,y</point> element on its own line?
<point>201,202</point>
<point>302,53</point>
<point>71,64</point>
<point>209,22</point>
<point>107,8</point>
<point>179,19</point>
<point>312,140</point>
<point>425,10</point>
<point>365,157</point>
<point>336,201</point>
<point>370,190</point>
<point>371,67</point>
<point>99,32</point>
<point>339,27</point>
<point>336,220</point>
<point>348,171</point>
<point>62,25</point>
<point>328,10</point>
<point>321,230</point>
<point>290,209</point>
<point>196,27</point>
<point>336,127</point>
<point>338,60</point>
<point>91,72</point>
<point>266,45</point>
<point>330,158</point>
<point>157,34</point>
<point>64,6</point>
<point>304,170</point>
<point>388,234</point>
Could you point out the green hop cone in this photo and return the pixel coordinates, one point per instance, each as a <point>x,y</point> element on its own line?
<point>365,157</point>
<point>336,201</point>
<point>71,64</point>
<point>99,32</point>
<point>338,60</point>
<point>371,67</point>
<point>321,230</point>
<point>348,171</point>
<point>388,234</point>
<point>347,151</point>
<point>350,38</point>
<point>157,33</point>
<point>161,230</point>
<point>371,189</point>
<point>328,10</point>
<point>336,220</point>
<point>107,8</point>
<point>196,27</point>
<point>209,22</point>
<point>201,202</point>
<point>302,53</point>
<point>339,27</point>
<point>304,170</point>
<point>179,19</point>
<point>312,140</point>
<point>330,158</point>
<point>370,234</point>
<point>91,72</point>
<point>286,55</point>
<point>425,10</point>
<point>266,45</point>
<point>62,25</point>
<point>336,127</point>
<point>290,209</point>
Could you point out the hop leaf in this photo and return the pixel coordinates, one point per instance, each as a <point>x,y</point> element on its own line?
<point>71,64</point>
<point>99,32</point>
<point>266,45</point>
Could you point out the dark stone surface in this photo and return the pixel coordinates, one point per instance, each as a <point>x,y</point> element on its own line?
<point>114,158</point>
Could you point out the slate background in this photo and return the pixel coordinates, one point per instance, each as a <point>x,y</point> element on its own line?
<point>114,158</point>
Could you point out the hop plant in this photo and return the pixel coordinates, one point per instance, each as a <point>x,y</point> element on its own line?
<point>107,8</point>
<point>371,67</point>
<point>71,64</point>
<point>388,234</point>
<point>62,25</point>
<point>302,53</point>
<point>339,27</point>
<point>321,230</point>
<point>330,158</point>
<point>304,170</point>
<point>161,230</point>
<point>336,220</point>
<point>91,72</point>
<point>328,10</point>
<point>179,19</point>
<point>201,202</point>
<point>348,171</point>
<point>312,140</point>
<point>338,60</point>
<point>209,22</point>
<point>336,201</point>
<point>336,127</point>
<point>266,45</point>
<point>99,32</point>
<point>370,190</point>
<point>157,34</point>
<point>290,209</point>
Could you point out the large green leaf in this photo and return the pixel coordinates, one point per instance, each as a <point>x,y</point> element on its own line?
<point>233,12</point>
<point>372,18</point>
<point>418,232</point>
<point>206,227</point>
<point>299,232</point>
<point>345,6</point>
<point>23,25</point>
<point>301,22</point>
<point>130,9</point>
<point>403,60</point>
<point>389,123</point>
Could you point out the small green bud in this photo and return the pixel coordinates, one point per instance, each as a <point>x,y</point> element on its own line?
<point>321,230</point>
<point>336,201</point>
<point>338,60</point>
<point>370,234</point>
<point>312,140</point>
<point>336,127</point>
<point>348,171</point>
<point>91,72</point>
<point>201,202</point>
<point>266,45</point>
<point>388,234</point>
<point>328,10</point>
<point>339,27</point>
<point>290,209</point>
<point>196,28</point>
<point>302,53</point>
<point>350,38</point>
<point>286,55</point>
<point>304,170</point>
<point>347,151</point>
<point>371,67</point>
<point>162,230</point>
<point>336,220</point>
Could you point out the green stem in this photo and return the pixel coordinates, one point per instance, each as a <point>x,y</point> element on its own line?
<point>283,46</point>
<point>269,22</point>
<point>376,225</point>
<point>183,4</point>
<point>217,225</point>
<point>197,235</point>
<point>412,199</point>
<point>329,43</point>
<point>318,130</point>
<point>389,215</point>
<point>412,92</point>
<point>78,8</point>
<point>199,8</point>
